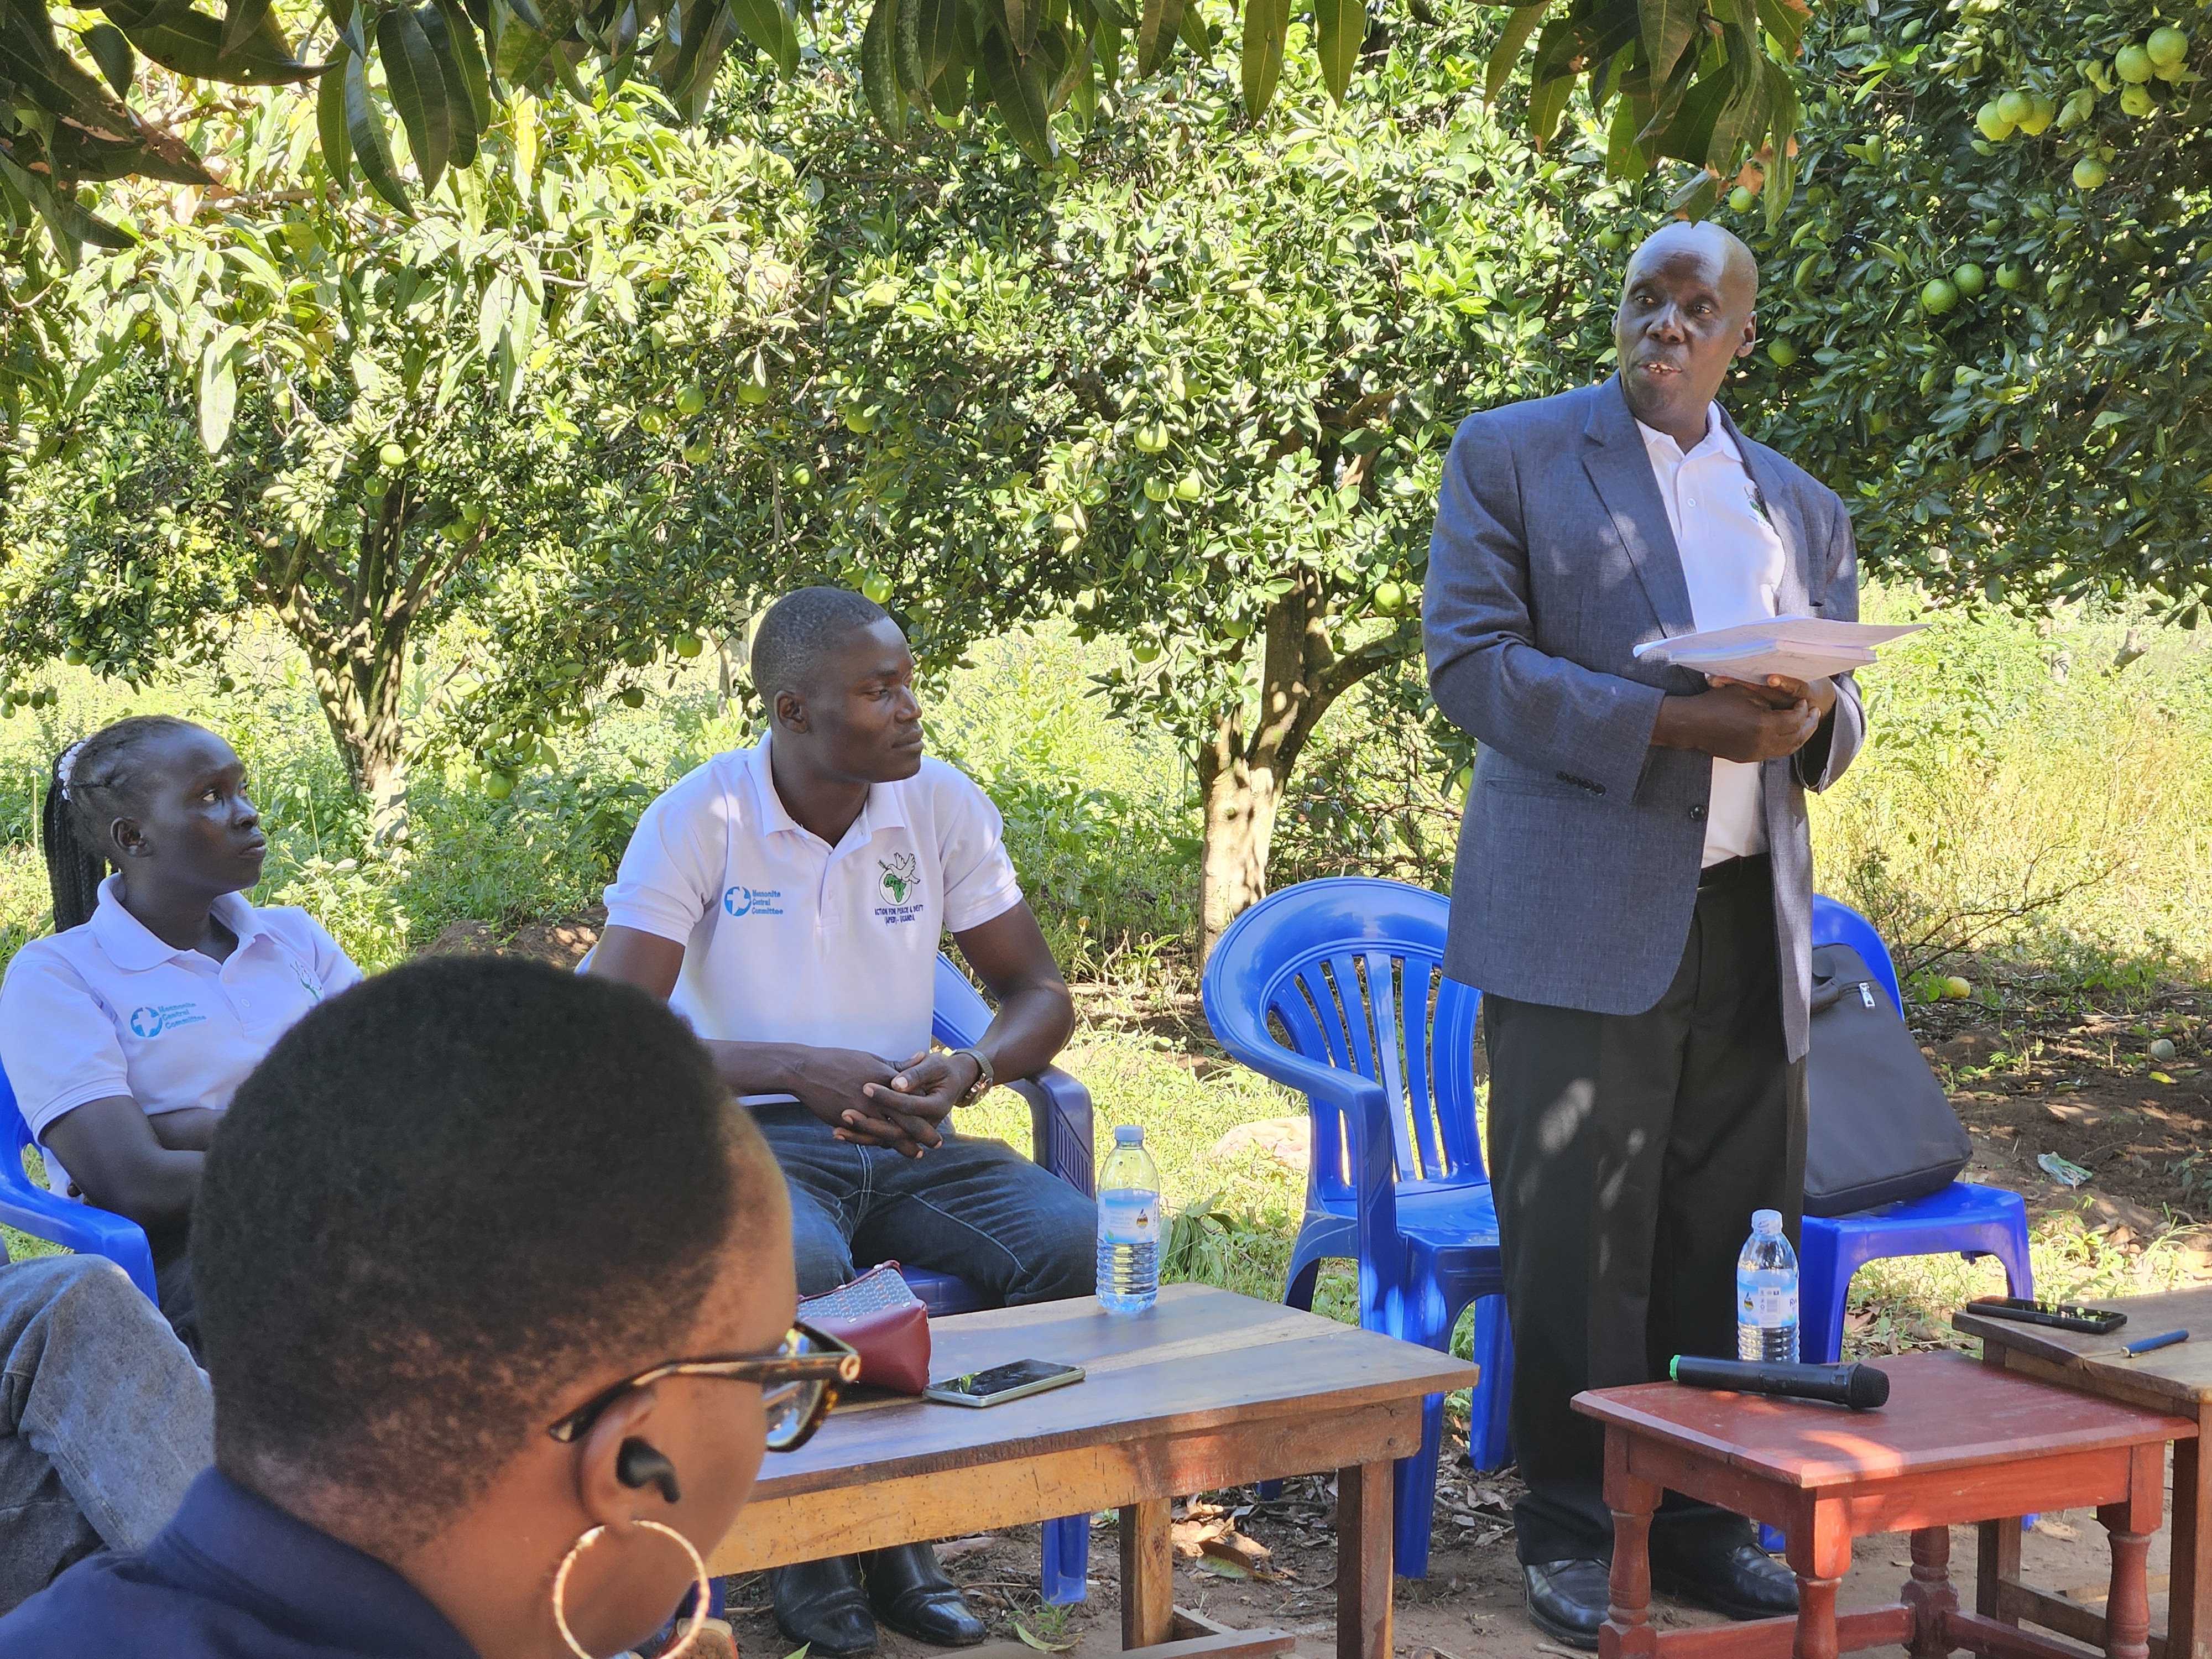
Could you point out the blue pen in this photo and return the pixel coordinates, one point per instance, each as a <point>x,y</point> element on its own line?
<point>2129,1350</point>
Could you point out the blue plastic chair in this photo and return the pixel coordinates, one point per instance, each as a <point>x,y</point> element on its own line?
<point>1335,988</point>
<point>1973,1220</point>
<point>1059,1141</point>
<point>32,1209</point>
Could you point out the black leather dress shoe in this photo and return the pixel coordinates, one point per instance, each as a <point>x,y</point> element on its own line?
<point>1747,1583</point>
<point>1568,1599</point>
<point>821,1603</point>
<point>911,1594</point>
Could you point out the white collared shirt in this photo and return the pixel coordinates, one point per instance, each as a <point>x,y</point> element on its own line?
<point>788,940</point>
<point>1732,558</point>
<point>108,1009</point>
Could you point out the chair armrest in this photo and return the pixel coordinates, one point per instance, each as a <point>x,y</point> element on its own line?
<point>82,1228</point>
<point>1338,1096</point>
<point>1060,1126</point>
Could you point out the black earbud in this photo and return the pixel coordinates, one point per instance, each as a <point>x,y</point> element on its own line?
<point>639,1463</point>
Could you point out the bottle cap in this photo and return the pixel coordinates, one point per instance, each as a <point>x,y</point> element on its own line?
<point>1766,1222</point>
<point>1132,1134</point>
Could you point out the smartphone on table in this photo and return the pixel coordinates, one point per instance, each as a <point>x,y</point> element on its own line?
<point>1003,1382</point>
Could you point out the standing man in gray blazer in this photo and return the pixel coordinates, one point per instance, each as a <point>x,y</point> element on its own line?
<point>1633,892</point>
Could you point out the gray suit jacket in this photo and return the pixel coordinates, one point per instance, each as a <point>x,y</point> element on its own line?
<point>1579,853</point>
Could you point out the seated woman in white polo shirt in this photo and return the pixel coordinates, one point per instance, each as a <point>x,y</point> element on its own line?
<point>788,900</point>
<point>125,1032</point>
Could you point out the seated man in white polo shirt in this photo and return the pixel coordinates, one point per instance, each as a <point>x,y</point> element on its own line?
<point>788,900</point>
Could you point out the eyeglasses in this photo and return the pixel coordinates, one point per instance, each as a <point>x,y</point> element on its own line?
<point>799,1384</point>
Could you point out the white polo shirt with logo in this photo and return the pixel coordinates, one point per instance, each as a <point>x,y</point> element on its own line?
<point>789,940</point>
<point>108,1009</point>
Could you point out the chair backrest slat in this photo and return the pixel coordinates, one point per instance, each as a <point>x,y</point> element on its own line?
<point>1350,973</point>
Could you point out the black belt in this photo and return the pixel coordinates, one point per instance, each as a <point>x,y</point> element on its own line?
<point>1728,871</point>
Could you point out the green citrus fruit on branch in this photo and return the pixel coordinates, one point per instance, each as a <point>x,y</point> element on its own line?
<point>1740,199</point>
<point>2012,275</point>
<point>2137,101</point>
<point>1992,124</point>
<point>878,588</point>
<point>1781,353</point>
<point>2088,172</point>
<point>1151,439</point>
<point>691,399</point>
<point>1969,280</point>
<point>1389,597</point>
<point>2042,111</point>
<point>688,645</point>
<point>2015,108</point>
<point>1938,297</point>
<point>2134,65</point>
<point>2167,47</point>
<point>391,458</point>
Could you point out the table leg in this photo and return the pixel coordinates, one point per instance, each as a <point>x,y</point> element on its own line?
<point>2186,1635</point>
<point>1930,1594</point>
<point>1147,1574</point>
<point>1996,1561</point>
<point>1627,1630</point>
<point>1820,1554</point>
<point>1363,1561</point>
<point>2128,1525</point>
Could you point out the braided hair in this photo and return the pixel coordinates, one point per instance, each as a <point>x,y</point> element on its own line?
<point>94,783</point>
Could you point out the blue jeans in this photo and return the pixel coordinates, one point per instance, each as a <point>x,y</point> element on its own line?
<point>973,1207</point>
<point>104,1419</point>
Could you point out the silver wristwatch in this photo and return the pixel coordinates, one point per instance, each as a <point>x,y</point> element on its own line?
<point>984,1077</point>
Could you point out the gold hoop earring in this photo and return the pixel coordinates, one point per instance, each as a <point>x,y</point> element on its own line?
<point>560,1587</point>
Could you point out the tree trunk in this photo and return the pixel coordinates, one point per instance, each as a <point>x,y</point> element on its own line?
<point>355,632</point>
<point>358,677</point>
<point>1240,800</point>
<point>1243,774</point>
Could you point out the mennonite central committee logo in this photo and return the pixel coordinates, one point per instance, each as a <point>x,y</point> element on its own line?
<point>901,876</point>
<point>151,1021</point>
<point>753,902</point>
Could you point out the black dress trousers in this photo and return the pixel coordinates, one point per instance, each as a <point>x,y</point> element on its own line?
<point>1626,1154</point>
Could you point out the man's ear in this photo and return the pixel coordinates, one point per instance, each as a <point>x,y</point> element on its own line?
<point>1750,336</point>
<point>791,711</point>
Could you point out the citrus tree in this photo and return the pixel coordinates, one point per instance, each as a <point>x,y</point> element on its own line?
<point>1197,394</point>
<point>364,424</point>
<point>1986,318</point>
<point>1704,81</point>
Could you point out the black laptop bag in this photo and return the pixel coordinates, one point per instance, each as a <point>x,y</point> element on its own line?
<point>1881,1127</point>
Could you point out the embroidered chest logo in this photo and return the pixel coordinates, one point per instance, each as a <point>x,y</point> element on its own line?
<point>753,900</point>
<point>899,882</point>
<point>1752,494</point>
<point>150,1022</point>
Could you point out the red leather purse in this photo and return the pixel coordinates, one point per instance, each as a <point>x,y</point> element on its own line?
<point>884,1322</point>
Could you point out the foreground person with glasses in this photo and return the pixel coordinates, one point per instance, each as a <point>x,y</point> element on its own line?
<point>497,1290</point>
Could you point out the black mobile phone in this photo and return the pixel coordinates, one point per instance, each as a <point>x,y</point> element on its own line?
<point>1003,1382</point>
<point>2059,1315</point>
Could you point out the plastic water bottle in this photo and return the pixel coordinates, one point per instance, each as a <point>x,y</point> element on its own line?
<point>1129,1225</point>
<point>1766,1292</point>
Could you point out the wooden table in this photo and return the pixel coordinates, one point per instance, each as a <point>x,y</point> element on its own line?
<point>1204,1390</point>
<point>2176,1380</point>
<point>1958,1441</point>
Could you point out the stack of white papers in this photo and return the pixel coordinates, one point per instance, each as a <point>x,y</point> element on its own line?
<point>1801,647</point>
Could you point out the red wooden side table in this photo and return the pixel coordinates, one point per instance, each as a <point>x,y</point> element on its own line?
<point>1958,1442</point>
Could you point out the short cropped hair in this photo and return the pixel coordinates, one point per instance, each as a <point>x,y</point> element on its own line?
<point>801,628</point>
<point>442,1199</point>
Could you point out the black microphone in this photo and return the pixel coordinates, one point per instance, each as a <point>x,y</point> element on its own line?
<point>1860,1387</point>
